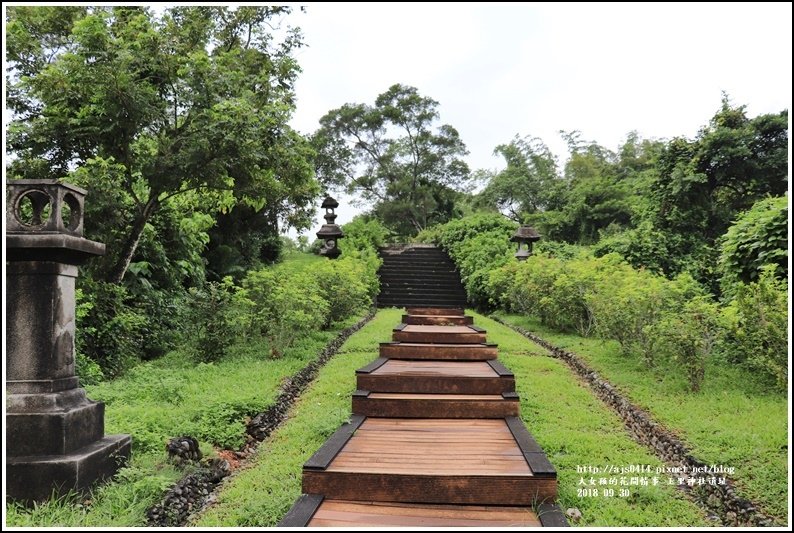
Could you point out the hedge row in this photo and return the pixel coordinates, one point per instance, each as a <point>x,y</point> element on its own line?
<point>652,318</point>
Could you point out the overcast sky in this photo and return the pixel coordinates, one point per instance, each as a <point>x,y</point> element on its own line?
<point>498,70</point>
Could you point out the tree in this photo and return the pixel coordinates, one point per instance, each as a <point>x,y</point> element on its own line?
<point>592,196</point>
<point>154,108</point>
<point>393,156</point>
<point>733,162</point>
<point>527,182</point>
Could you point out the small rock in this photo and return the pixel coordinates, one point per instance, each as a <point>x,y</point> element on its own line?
<point>574,514</point>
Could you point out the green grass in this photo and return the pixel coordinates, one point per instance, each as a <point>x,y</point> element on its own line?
<point>166,398</point>
<point>261,494</point>
<point>566,419</point>
<point>732,421</point>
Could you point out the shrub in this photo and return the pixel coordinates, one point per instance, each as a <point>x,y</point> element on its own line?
<point>688,337</point>
<point>757,238</point>
<point>343,284</point>
<point>209,322</point>
<point>642,247</point>
<point>287,301</point>
<point>363,233</point>
<point>757,321</point>
<point>629,301</point>
<point>108,330</point>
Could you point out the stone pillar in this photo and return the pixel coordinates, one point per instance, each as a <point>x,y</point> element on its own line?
<point>54,434</point>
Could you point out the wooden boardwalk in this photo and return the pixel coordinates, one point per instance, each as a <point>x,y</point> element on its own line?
<point>434,440</point>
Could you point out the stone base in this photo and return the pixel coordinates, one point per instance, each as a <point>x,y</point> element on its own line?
<point>34,478</point>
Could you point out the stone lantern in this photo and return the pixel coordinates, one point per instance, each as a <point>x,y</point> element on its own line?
<point>525,235</point>
<point>54,434</point>
<point>330,232</point>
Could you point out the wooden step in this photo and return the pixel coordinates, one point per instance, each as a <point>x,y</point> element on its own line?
<point>313,510</point>
<point>445,311</point>
<point>346,513</point>
<point>423,405</point>
<point>439,334</point>
<point>452,352</point>
<point>437,320</point>
<point>440,377</point>
<point>448,461</point>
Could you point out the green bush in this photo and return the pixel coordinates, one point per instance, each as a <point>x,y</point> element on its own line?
<point>363,233</point>
<point>689,337</point>
<point>453,234</point>
<point>757,322</point>
<point>343,284</point>
<point>108,330</point>
<point>210,327</point>
<point>629,301</point>
<point>287,301</point>
<point>642,247</point>
<point>757,238</point>
<point>477,244</point>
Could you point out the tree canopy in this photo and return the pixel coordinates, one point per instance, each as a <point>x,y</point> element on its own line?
<point>395,158</point>
<point>144,109</point>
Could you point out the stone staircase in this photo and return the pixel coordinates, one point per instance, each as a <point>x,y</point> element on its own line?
<point>419,275</point>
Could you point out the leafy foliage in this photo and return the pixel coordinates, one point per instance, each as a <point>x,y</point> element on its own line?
<point>757,327</point>
<point>689,337</point>
<point>393,156</point>
<point>758,238</point>
<point>527,183</point>
<point>195,100</point>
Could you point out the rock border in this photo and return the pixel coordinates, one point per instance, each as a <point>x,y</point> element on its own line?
<point>719,499</point>
<point>194,491</point>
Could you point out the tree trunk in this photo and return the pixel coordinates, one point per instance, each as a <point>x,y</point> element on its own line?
<point>133,239</point>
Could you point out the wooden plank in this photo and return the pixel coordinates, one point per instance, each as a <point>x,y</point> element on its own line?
<point>435,311</point>
<point>323,457</point>
<point>438,320</point>
<point>302,511</point>
<point>348,513</point>
<point>434,406</point>
<point>434,384</point>
<point>399,327</point>
<point>371,367</point>
<point>499,368</point>
<point>439,397</point>
<point>437,368</point>
<point>551,515</point>
<point>536,458</point>
<point>452,489</point>
<point>439,329</point>
<point>451,337</point>
<point>438,351</point>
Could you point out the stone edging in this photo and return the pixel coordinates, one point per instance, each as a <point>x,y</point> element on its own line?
<point>192,493</point>
<point>720,499</point>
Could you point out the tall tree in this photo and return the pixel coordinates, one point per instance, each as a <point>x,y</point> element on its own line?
<point>391,154</point>
<point>734,161</point>
<point>196,100</point>
<point>528,181</point>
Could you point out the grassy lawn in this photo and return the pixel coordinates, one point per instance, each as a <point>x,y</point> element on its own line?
<point>261,494</point>
<point>732,421</point>
<point>166,398</point>
<point>572,426</point>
